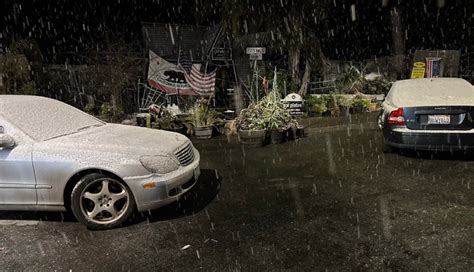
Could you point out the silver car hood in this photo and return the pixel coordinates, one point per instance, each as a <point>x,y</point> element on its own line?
<point>113,138</point>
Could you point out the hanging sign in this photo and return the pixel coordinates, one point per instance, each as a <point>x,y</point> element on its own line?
<point>221,54</point>
<point>255,50</point>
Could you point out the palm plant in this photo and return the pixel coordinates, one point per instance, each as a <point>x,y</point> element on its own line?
<point>202,116</point>
<point>274,113</point>
<point>351,81</point>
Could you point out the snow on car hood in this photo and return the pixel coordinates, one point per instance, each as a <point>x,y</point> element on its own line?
<point>431,92</point>
<point>122,139</point>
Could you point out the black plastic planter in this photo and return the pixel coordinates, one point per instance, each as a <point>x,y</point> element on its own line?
<point>277,136</point>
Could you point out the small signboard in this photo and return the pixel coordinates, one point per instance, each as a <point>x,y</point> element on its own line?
<point>294,103</point>
<point>256,56</point>
<point>255,50</point>
<point>418,70</point>
<point>222,54</point>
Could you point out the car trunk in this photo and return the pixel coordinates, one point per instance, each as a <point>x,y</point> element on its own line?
<point>439,117</point>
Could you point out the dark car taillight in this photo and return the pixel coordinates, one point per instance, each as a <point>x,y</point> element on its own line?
<point>396,117</point>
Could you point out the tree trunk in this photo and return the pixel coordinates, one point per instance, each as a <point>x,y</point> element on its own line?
<point>294,58</point>
<point>238,101</point>
<point>398,41</point>
<point>6,86</point>
<point>306,79</point>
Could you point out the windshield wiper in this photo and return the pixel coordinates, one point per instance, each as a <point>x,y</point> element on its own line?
<point>73,132</point>
<point>86,127</point>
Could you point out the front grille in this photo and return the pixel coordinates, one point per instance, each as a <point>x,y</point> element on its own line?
<point>185,155</point>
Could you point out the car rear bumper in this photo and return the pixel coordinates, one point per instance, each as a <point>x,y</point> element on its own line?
<point>456,140</point>
<point>161,190</point>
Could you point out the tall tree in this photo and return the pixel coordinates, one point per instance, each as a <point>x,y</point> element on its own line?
<point>18,66</point>
<point>292,22</point>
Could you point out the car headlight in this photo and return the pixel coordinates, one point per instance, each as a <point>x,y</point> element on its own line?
<point>159,164</point>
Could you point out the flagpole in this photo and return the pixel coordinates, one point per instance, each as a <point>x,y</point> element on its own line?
<point>177,89</point>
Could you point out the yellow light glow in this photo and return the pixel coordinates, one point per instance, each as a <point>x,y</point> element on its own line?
<point>149,185</point>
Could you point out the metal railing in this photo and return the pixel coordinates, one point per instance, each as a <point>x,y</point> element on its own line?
<point>321,87</point>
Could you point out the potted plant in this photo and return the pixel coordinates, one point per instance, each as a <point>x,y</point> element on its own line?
<point>267,115</point>
<point>316,106</point>
<point>333,106</point>
<point>110,113</point>
<point>251,127</point>
<point>276,117</point>
<point>360,104</point>
<point>203,119</point>
<point>166,120</point>
<point>345,103</point>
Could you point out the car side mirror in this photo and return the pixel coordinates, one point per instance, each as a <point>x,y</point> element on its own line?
<point>6,141</point>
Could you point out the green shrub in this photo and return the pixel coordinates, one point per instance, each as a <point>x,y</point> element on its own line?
<point>316,104</point>
<point>275,115</point>
<point>110,113</point>
<point>250,118</point>
<point>164,119</point>
<point>29,88</point>
<point>360,104</point>
<point>377,86</point>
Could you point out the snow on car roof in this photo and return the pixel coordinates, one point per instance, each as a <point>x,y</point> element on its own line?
<point>43,118</point>
<point>431,92</point>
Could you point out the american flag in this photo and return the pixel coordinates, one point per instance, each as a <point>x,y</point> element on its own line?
<point>184,60</point>
<point>202,83</point>
<point>433,67</point>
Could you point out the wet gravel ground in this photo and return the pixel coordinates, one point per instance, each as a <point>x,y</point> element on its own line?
<point>331,201</point>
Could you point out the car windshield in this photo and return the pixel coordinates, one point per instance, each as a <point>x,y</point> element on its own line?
<point>43,118</point>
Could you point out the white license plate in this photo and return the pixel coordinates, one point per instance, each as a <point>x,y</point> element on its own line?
<point>197,173</point>
<point>439,119</point>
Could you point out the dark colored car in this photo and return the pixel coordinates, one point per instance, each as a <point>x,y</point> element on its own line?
<point>429,114</point>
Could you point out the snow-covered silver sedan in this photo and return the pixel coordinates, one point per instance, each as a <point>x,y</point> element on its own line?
<point>429,114</point>
<point>54,157</point>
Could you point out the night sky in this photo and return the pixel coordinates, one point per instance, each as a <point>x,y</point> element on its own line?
<point>64,26</point>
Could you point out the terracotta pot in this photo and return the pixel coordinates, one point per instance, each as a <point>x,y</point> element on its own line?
<point>373,107</point>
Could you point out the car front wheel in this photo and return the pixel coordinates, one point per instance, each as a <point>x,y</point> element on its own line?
<point>101,202</point>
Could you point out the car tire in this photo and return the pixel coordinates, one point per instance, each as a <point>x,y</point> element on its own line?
<point>387,148</point>
<point>101,202</point>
